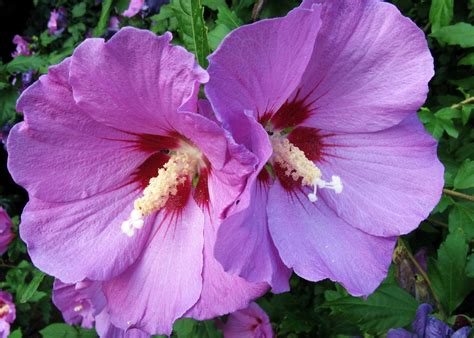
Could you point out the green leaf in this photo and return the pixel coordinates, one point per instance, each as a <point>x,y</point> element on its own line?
<point>461,216</point>
<point>84,333</point>
<point>104,18</point>
<point>79,10</point>
<point>192,28</point>
<point>447,273</point>
<point>8,99</point>
<point>24,63</point>
<point>461,34</point>
<point>441,13</point>
<point>468,60</point>
<point>449,127</point>
<point>59,330</point>
<point>226,21</point>
<point>466,113</point>
<point>217,34</point>
<point>184,327</point>
<point>448,113</point>
<point>388,307</point>
<point>465,176</point>
<point>46,38</point>
<point>29,290</point>
<point>470,266</point>
<point>187,327</point>
<point>16,334</point>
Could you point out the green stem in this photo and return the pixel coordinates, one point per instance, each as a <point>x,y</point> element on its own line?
<point>423,273</point>
<point>458,194</point>
<point>462,103</point>
<point>444,225</point>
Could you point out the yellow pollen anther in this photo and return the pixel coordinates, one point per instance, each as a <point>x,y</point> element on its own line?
<point>297,165</point>
<point>4,309</point>
<point>165,184</point>
<point>294,161</point>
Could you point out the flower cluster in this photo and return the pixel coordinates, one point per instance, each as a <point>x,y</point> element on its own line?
<point>148,204</point>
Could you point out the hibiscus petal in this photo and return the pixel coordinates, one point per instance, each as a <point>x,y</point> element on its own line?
<point>166,280</point>
<point>205,135</point>
<point>369,70</point>
<point>79,303</point>
<point>392,179</point>
<point>318,244</point>
<point>134,82</point>
<point>60,153</point>
<point>400,333</point>
<point>222,292</point>
<point>251,322</point>
<point>105,329</point>
<point>82,239</point>
<point>244,245</point>
<point>258,66</point>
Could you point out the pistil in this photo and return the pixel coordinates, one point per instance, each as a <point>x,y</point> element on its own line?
<point>298,166</point>
<point>181,165</point>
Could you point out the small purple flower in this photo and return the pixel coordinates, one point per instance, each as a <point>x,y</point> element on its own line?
<point>22,46</point>
<point>79,303</point>
<point>114,24</point>
<point>6,233</point>
<point>134,7</point>
<point>128,182</point>
<point>326,97</point>
<point>84,303</point>
<point>251,322</point>
<point>57,21</point>
<point>152,7</point>
<point>429,327</point>
<point>7,313</point>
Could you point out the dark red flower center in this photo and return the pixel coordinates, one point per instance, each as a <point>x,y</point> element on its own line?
<point>167,178</point>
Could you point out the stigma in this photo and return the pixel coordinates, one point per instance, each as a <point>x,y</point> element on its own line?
<point>181,165</point>
<point>297,166</point>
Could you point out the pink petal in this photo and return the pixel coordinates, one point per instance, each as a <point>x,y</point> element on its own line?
<point>251,322</point>
<point>258,66</point>
<point>106,329</point>
<point>134,7</point>
<point>83,239</point>
<point>166,280</point>
<point>221,292</point>
<point>60,153</point>
<point>392,179</point>
<point>244,245</point>
<point>369,70</point>
<point>136,81</point>
<point>318,244</point>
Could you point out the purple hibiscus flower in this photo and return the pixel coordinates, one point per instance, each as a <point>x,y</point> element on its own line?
<point>6,233</point>
<point>84,303</point>
<point>7,313</point>
<point>57,21</point>
<point>147,7</point>
<point>251,322</point>
<point>22,46</point>
<point>134,7</point>
<point>429,327</point>
<point>79,303</point>
<point>326,98</point>
<point>127,183</point>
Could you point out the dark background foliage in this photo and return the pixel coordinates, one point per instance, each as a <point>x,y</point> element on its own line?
<point>311,309</point>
